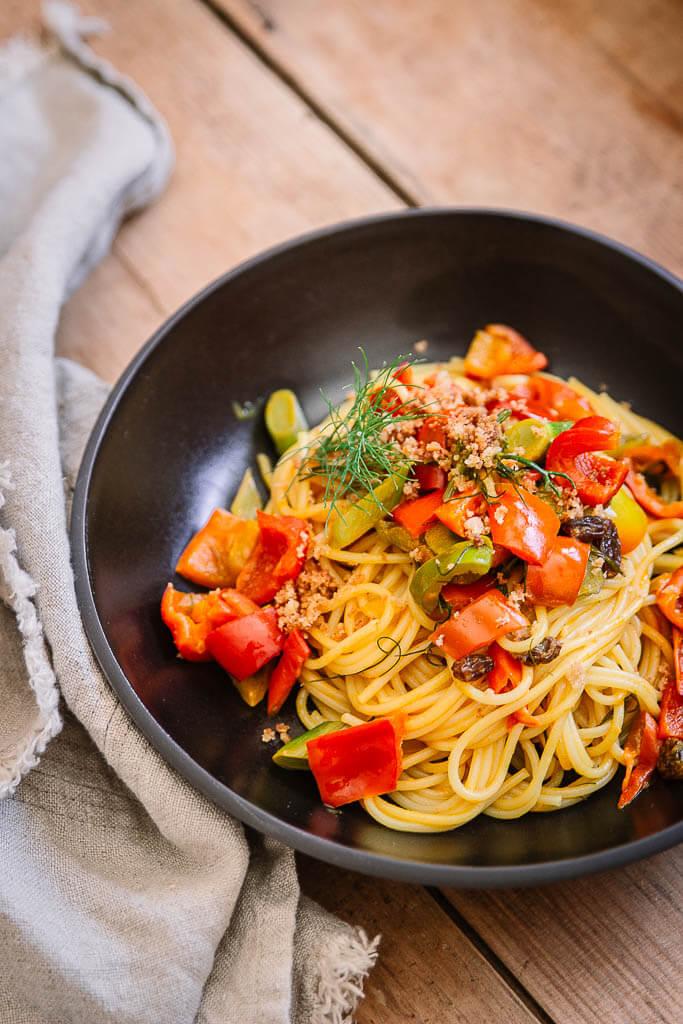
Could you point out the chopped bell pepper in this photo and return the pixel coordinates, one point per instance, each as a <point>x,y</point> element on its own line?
<point>650,500</point>
<point>287,671</point>
<point>559,580</point>
<point>459,595</point>
<point>629,519</point>
<point>439,538</point>
<point>358,762</point>
<point>432,430</point>
<point>670,598</point>
<point>552,399</point>
<point>522,716</point>
<point>507,670</point>
<point>499,349</point>
<point>641,752</point>
<point>343,528</point>
<point>484,620</point>
<point>671,713</point>
<point>416,515</point>
<point>577,453</point>
<point>395,534</point>
<point>643,456</point>
<point>430,477</point>
<point>278,557</point>
<point>524,524</point>
<point>294,754</point>
<point>218,552</point>
<point>285,419</point>
<point>462,559</point>
<point>253,689</point>
<point>678,658</point>
<point>455,512</point>
<point>244,646</point>
<point>191,617</point>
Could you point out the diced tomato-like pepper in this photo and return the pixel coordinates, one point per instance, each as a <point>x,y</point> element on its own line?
<point>648,499</point>
<point>524,524</point>
<point>507,670</point>
<point>278,557</point>
<point>191,617</point>
<point>671,713</point>
<point>641,751</point>
<point>245,645</point>
<point>478,624</point>
<point>670,598</point>
<point>552,399</point>
<point>359,762</point>
<point>558,581</point>
<point>432,430</point>
<point>678,658</point>
<point>218,552</point>
<point>416,515</point>
<point>455,512</point>
<point>499,349</point>
<point>576,453</point>
<point>459,595</point>
<point>430,477</point>
<point>287,671</point>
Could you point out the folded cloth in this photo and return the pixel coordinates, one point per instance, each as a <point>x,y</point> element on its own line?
<point>125,896</point>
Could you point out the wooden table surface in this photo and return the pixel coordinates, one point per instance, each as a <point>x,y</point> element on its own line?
<point>291,114</point>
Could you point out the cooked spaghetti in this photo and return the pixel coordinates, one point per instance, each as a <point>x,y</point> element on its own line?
<point>476,565</point>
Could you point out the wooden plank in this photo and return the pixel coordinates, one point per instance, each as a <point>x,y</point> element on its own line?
<point>253,167</point>
<point>572,109</point>
<point>604,948</point>
<point>428,971</point>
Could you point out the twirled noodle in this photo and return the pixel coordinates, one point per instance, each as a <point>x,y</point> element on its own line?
<point>460,758</point>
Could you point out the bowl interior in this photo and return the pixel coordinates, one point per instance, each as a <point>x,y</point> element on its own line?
<point>169,449</point>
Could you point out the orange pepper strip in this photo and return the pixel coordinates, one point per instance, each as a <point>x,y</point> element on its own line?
<point>670,598</point>
<point>650,500</point>
<point>217,552</point>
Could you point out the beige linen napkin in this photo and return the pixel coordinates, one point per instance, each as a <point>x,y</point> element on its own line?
<point>124,895</point>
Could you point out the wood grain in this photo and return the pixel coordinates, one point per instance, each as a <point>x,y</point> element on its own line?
<point>253,167</point>
<point>572,109</point>
<point>428,971</point>
<point>605,948</point>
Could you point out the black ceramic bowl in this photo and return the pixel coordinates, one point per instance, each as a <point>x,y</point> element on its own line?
<point>167,449</point>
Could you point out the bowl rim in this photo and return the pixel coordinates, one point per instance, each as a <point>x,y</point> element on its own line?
<point>329,850</point>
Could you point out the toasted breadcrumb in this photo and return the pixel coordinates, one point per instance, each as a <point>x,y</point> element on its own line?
<point>299,603</point>
<point>268,735</point>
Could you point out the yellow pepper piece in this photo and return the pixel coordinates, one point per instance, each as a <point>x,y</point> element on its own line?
<point>629,519</point>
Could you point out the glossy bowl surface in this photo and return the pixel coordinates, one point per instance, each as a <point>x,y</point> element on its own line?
<point>167,449</point>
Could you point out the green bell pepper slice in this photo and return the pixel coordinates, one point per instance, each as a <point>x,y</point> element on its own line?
<point>440,539</point>
<point>462,559</point>
<point>396,535</point>
<point>294,754</point>
<point>343,528</point>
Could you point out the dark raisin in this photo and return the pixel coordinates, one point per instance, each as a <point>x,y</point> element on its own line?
<point>670,761</point>
<point>544,652</point>
<point>602,534</point>
<point>474,666</point>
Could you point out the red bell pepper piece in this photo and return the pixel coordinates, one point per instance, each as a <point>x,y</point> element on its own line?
<point>432,430</point>
<point>641,751</point>
<point>278,557</point>
<point>671,713</point>
<point>430,477</point>
<point>218,551</point>
<point>459,595</point>
<point>479,624</point>
<point>287,670</point>
<point>670,598</point>
<point>575,452</point>
<point>524,524</point>
<point>507,670</point>
<point>648,499</point>
<point>416,515</point>
<point>678,658</point>
<point>552,399</point>
<point>523,716</point>
<point>245,645</point>
<point>500,349</point>
<point>459,509</point>
<point>642,456</point>
<point>357,763</point>
<point>558,581</point>
<point>191,617</point>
